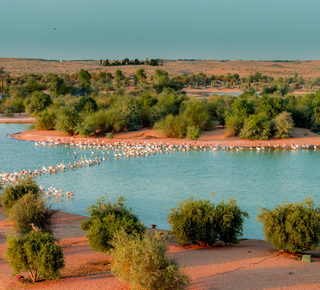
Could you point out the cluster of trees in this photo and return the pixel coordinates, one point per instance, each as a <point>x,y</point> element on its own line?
<point>139,259</point>
<point>81,103</point>
<point>127,61</point>
<point>32,250</point>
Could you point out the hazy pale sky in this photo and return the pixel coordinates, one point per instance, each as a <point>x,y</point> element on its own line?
<point>169,29</point>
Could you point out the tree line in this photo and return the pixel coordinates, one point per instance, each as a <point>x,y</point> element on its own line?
<point>104,103</point>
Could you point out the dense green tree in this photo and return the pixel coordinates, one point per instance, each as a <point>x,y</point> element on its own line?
<point>31,209</point>
<point>283,125</point>
<point>67,119</point>
<point>202,222</point>
<point>84,79</point>
<point>108,218</point>
<point>257,127</point>
<point>18,106</point>
<point>12,193</point>
<point>37,103</point>
<point>140,77</point>
<point>293,227</point>
<point>88,105</point>
<point>37,253</point>
<point>46,119</point>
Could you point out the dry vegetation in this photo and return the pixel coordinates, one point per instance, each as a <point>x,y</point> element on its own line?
<point>306,69</point>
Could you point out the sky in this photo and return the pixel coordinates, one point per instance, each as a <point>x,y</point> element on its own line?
<point>165,29</point>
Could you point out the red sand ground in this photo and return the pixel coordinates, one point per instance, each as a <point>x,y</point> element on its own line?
<point>252,264</point>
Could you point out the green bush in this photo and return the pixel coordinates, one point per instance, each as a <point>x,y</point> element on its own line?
<point>13,192</point>
<point>84,129</point>
<point>29,209</point>
<point>197,113</point>
<point>105,121</point>
<point>37,253</point>
<point>294,227</point>
<point>257,127</point>
<point>106,219</point>
<point>173,126</point>
<point>283,125</point>
<point>46,120</point>
<point>201,222</point>
<point>8,111</point>
<point>193,132</point>
<point>144,263</point>
<point>67,119</point>
<point>234,124</point>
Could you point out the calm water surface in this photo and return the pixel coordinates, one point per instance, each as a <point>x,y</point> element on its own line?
<point>153,184</point>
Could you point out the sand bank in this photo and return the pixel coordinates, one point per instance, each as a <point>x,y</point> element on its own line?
<point>217,136</point>
<point>23,118</point>
<point>253,264</point>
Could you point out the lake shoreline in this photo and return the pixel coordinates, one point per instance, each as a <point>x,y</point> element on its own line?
<point>218,136</point>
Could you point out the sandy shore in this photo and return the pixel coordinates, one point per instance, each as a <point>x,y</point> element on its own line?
<point>253,264</point>
<point>23,118</point>
<point>217,136</point>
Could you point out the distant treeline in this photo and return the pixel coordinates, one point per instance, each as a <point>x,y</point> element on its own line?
<point>127,61</point>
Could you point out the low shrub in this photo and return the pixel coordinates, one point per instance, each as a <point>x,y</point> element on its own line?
<point>294,227</point>
<point>173,126</point>
<point>46,120</point>
<point>8,111</point>
<point>106,219</point>
<point>29,209</point>
<point>37,253</point>
<point>84,130</point>
<point>283,125</point>
<point>201,222</point>
<point>12,193</point>
<point>144,263</point>
<point>193,132</point>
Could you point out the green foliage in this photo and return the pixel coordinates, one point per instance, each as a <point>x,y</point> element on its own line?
<point>198,115</point>
<point>38,102</point>
<point>193,132</point>
<point>173,126</point>
<point>106,219</point>
<point>294,227</point>
<point>144,263</point>
<point>257,127</point>
<point>201,222</point>
<point>105,121</point>
<point>46,120</point>
<point>271,105</point>
<point>8,111</point>
<point>12,193</point>
<point>88,105</point>
<point>84,130</point>
<point>234,124</point>
<point>18,106</point>
<point>29,209</point>
<point>84,79</point>
<point>67,119</point>
<point>283,125</point>
<point>37,253</point>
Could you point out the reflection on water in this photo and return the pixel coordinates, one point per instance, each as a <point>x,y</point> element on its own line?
<point>153,184</point>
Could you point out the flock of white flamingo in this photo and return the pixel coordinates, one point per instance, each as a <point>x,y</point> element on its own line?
<point>120,150</point>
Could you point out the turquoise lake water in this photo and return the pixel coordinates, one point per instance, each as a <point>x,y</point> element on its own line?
<point>153,184</point>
